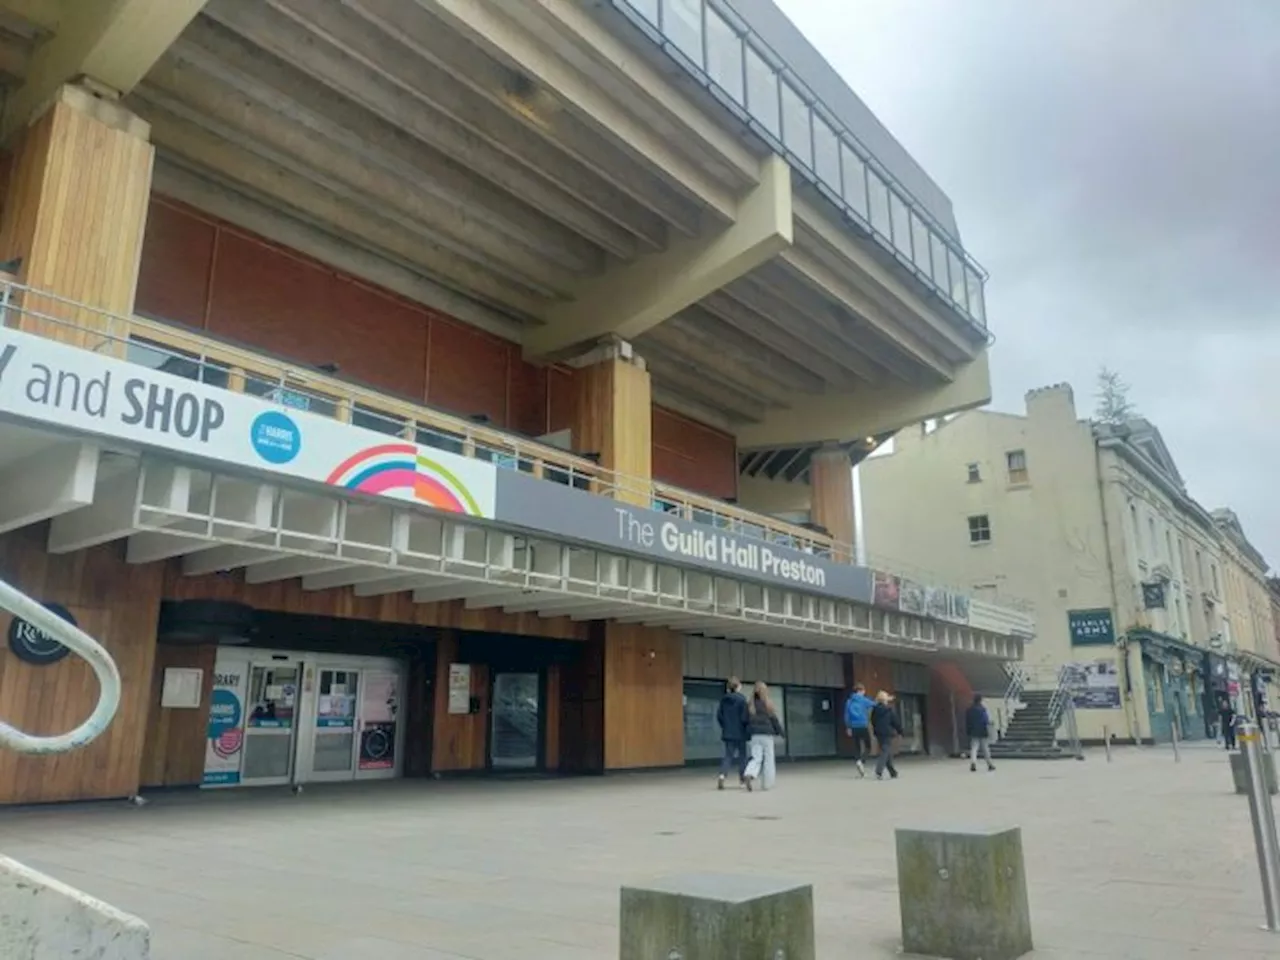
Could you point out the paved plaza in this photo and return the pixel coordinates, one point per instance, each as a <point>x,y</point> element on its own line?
<point>1140,858</point>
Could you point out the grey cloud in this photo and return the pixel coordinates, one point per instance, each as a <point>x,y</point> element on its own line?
<point>1115,164</point>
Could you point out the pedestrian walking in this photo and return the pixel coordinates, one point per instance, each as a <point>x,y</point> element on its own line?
<point>977,724</point>
<point>733,719</point>
<point>885,724</point>
<point>857,724</point>
<point>1227,717</point>
<point>763,725</point>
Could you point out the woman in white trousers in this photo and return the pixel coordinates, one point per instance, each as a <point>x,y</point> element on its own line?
<point>764,726</point>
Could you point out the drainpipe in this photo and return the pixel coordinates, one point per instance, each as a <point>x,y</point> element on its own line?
<point>1122,651</point>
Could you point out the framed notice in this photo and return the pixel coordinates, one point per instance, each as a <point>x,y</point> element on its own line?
<point>1091,628</point>
<point>459,688</point>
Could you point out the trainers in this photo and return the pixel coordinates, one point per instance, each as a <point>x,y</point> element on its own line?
<point>747,781</point>
<point>973,768</point>
<point>862,771</point>
<point>991,768</point>
<point>720,783</point>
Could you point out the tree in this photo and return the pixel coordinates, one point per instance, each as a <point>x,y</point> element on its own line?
<point>1113,407</point>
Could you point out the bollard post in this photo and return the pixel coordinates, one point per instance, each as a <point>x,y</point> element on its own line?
<point>1264,823</point>
<point>1106,741</point>
<point>1173,730</point>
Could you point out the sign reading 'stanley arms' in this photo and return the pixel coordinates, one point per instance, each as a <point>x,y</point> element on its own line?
<point>561,511</point>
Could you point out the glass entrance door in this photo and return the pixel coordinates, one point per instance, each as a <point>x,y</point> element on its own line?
<point>334,736</point>
<point>515,730</point>
<point>269,727</point>
<point>379,706</point>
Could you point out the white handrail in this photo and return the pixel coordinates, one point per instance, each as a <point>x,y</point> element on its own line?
<point>71,636</point>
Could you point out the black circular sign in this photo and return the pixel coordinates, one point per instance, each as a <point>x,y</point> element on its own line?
<point>32,644</point>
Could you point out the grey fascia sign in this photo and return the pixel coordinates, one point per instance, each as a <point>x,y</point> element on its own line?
<point>563,512</point>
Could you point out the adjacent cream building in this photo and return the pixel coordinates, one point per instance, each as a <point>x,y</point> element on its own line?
<point>1163,605</point>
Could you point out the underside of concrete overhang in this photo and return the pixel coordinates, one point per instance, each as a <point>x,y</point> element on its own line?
<point>541,170</point>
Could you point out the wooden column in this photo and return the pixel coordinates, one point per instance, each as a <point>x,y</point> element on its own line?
<point>831,480</point>
<point>75,212</point>
<point>643,696</point>
<point>613,418</point>
<point>458,739</point>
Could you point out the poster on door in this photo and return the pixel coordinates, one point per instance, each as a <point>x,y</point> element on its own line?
<point>378,706</point>
<point>225,733</point>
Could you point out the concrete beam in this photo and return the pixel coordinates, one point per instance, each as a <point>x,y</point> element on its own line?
<point>402,88</point>
<point>488,26</point>
<point>112,42</point>
<point>460,589</point>
<point>51,483</point>
<point>290,567</point>
<point>226,557</point>
<point>113,513</point>
<point>636,297</point>
<point>869,411</point>
<point>686,376</point>
<point>44,15</point>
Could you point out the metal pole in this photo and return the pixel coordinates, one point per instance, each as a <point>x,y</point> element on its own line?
<point>1106,741</point>
<point>955,730</point>
<point>1173,729</point>
<point>1264,822</point>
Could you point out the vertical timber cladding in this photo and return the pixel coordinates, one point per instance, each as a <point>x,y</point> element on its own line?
<point>613,421</point>
<point>831,482</point>
<point>173,755</point>
<point>458,738</point>
<point>117,604</point>
<point>75,210</point>
<point>643,696</point>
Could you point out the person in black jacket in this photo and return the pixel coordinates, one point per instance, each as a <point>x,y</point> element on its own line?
<point>763,725</point>
<point>885,724</point>
<point>977,724</point>
<point>732,717</point>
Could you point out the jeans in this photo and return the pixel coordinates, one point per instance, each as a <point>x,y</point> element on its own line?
<point>763,763</point>
<point>886,758</point>
<point>1229,734</point>
<point>734,757</point>
<point>861,743</point>
<point>979,743</point>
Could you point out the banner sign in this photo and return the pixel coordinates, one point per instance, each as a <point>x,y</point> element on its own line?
<point>910,596</point>
<point>561,511</point>
<point>1091,628</point>
<point>47,382</point>
<point>1095,685</point>
<point>225,737</point>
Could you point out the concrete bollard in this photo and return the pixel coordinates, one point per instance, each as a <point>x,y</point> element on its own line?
<point>715,917</point>
<point>1241,781</point>
<point>41,918</point>
<point>963,894</point>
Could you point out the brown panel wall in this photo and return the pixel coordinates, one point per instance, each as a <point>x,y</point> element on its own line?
<point>693,455</point>
<point>458,740</point>
<point>177,265</point>
<point>288,596</point>
<point>562,396</point>
<point>117,604</point>
<point>643,697</point>
<point>582,707</point>
<point>419,717</point>
<point>551,719</point>
<point>468,373</point>
<point>876,673</point>
<point>173,755</point>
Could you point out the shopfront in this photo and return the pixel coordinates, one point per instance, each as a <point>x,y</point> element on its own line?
<point>1176,676</point>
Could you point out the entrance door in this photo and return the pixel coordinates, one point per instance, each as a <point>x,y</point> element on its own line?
<point>333,748</point>
<point>379,708</point>
<point>515,727</point>
<point>270,725</point>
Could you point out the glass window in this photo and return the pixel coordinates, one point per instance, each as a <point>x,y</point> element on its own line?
<point>795,125</point>
<point>762,91</point>
<point>940,275</point>
<point>826,153</point>
<point>980,529</point>
<point>855,180</point>
<point>724,56</point>
<point>811,722</point>
<point>180,363</point>
<point>371,418</point>
<point>975,474</point>
<point>920,244</point>
<point>957,281</point>
<point>701,731</point>
<point>878,201</point>
<point>1017,461</point>
<point>977,309</point>
<point>682,25</point>
<point>646,8</point>
<point>901,219</point>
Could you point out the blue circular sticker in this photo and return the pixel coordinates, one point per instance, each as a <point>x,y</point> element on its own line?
<point>275,437</point>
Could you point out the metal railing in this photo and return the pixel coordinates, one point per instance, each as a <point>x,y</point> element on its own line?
<point>79,642</point>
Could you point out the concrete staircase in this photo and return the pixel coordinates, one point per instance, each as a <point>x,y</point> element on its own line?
<point>1032,730</point>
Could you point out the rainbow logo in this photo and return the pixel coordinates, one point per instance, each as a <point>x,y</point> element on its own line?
<point>398,468</point>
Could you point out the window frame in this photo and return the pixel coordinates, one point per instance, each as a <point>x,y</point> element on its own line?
<point>1017,475</point>
<point>974,472</point>
<point>979,524</point>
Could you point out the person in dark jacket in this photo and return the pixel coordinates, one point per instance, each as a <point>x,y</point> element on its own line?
<point>977,724</point>
<point>1227,714</point>
<point>763,725</point>
<point>732,717</point>
<point>885,724</point>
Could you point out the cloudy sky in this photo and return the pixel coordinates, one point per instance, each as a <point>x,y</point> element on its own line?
<point>1115,165</point>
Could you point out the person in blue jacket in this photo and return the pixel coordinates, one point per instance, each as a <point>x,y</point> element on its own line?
<point>857,724</point>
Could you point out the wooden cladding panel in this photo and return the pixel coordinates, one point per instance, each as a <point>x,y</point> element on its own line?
<point>119,605</point>
<point>76,210</point>
<point>287,596</point>
<point>694,456</point>
<point>458,739</point>
<point>177,266</point>
<point>875,673</point>
<point>831,505</point>
<point>551,719</point>
<point>173,755</point>
<point>612,420</point>
<point>643,697</point>
<point>468,372</point>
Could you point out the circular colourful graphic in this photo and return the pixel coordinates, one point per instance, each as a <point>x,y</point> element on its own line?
<point>275,437</point>
<point>225,715</point>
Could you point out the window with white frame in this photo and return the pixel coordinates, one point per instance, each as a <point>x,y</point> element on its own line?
<point>980,529</point>
<point>1017,461</point>
<point>975,473</point>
